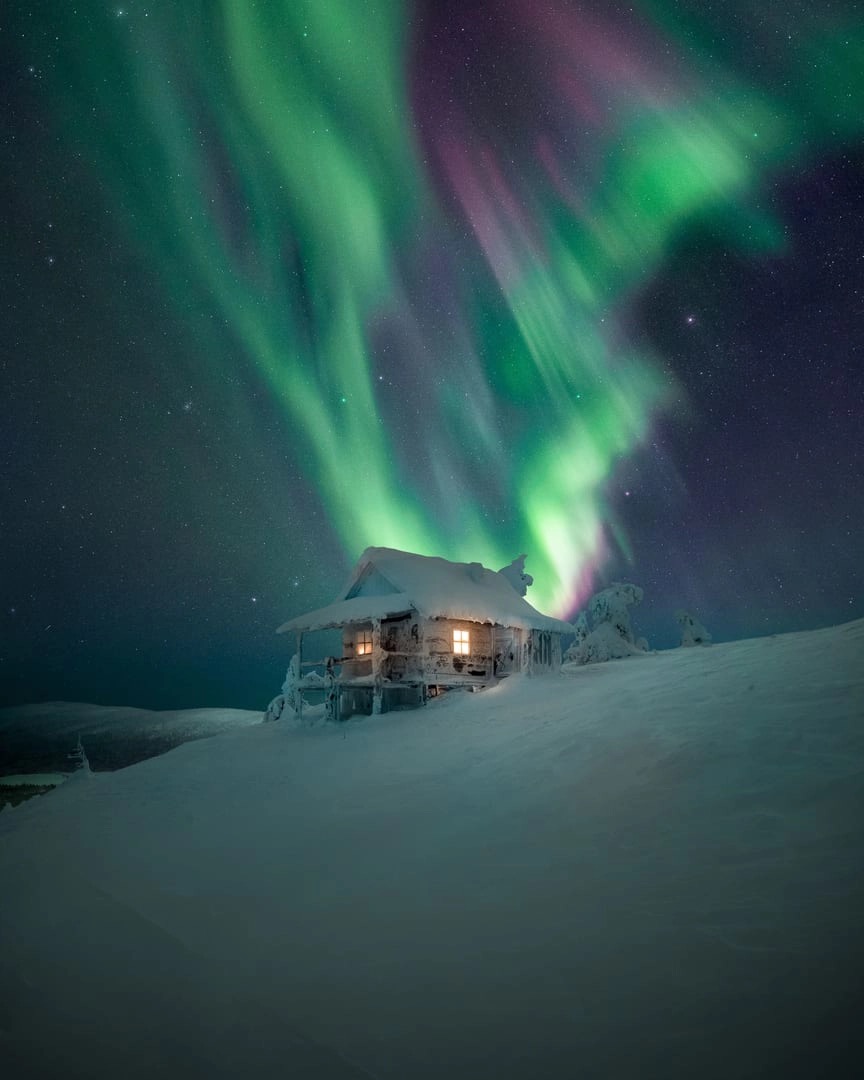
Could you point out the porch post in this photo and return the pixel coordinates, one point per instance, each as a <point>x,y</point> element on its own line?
<point>331,699</point>
<point>421,658</point>
<point>377,675</point>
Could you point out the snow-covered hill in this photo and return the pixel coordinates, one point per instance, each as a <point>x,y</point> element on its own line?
<point>651,868</point>
<point>38,738</point>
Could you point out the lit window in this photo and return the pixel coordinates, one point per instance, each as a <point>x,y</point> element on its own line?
<point>461,642</point>
<point>364,643</point>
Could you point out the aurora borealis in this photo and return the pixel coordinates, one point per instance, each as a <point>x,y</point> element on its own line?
<point>332,273</point>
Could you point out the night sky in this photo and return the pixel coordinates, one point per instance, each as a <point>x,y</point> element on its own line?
<point>283,280</point>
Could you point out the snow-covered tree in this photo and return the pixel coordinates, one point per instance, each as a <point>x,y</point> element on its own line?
<point>515,574</point>
<point>692,631</point>
<point>289,698</point>
<point>609,634</point>
<point>581,627</point>
<point>78,757</point>
<point>611,606</point>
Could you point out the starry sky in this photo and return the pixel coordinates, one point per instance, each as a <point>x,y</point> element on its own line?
<point>283,280</point>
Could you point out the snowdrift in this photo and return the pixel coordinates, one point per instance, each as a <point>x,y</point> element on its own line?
<point>648,868</point>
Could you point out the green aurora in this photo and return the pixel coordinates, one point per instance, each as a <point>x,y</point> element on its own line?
<point>270,160</point>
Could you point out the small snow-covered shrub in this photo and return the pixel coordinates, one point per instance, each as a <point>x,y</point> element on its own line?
<point>692,631</point>
<point>609,634</point>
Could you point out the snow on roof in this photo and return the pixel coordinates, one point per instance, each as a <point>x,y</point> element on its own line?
<point>433,587</point>
<point>357,609</point>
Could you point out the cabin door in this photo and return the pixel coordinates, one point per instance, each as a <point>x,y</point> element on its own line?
<point>505,650</point>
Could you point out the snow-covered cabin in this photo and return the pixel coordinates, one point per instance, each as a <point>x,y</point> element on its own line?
<point>414,624</point>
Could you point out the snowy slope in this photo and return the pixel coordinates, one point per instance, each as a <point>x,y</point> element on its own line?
<point>649,868</point>
<point>37,738</point>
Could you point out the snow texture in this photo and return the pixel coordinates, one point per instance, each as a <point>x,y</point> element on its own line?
<point>434,588</point>
<point>648,869</point>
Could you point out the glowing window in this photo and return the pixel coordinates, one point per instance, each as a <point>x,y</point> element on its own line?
<point>364,643</point>
<point>461,642</point>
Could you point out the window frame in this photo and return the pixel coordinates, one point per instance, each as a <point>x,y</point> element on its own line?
<point>363,643</point>
<point>461,642</point>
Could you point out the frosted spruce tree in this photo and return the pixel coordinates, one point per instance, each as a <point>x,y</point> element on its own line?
<point>80,762</point>
<point>290,697</point>
<point>581,628</point>
<point>692,631</point>
<point>605,632</point>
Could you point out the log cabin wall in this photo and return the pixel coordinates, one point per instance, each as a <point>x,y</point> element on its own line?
<point>507,649</point>
<point>413,649</point>
<point>442,663</point>
<point>543,652</point>
<point>401,649</point>
<point>402,644</point>
<point>355,666</point>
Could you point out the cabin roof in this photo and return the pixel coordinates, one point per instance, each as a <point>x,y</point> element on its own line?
<point>433,587</point>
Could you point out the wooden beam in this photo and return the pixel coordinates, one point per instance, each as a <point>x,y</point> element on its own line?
<point>377,674</point>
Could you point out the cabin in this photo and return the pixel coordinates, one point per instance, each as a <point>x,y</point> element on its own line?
<point>413,626</point>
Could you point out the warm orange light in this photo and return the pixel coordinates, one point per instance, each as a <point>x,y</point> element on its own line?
<point>363,644</point>
<point>461,642</point>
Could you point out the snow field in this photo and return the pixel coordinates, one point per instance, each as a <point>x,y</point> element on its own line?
<point>651,868</point>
